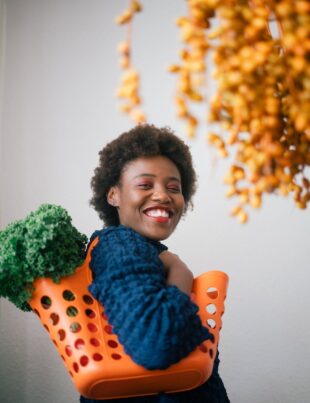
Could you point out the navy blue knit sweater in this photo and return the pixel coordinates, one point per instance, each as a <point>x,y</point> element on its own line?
<point>157,324</point>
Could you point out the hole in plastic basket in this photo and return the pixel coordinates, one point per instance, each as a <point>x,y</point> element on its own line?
<point>116,356</point>
<point>54,318</point>
<point>84,360</point>
<point>95,342</point>
<point>46,328</point>
<point>108,329</point>
<point>72,311</point>
<point>54,341</point>
<point>37,312</point>
<point>76,367</point>
<point>61,334</point>
<point>79,344</point>
<point>211,352</point>
<point>90,313</point>
<point>92,328</point>
<point>203,348</point>
<point>68,295</point>
<point>71,373</point>
<point>211,323</point>
<point>75,327</point>
<point>68,351</point>
<point>88,299</point>
<point>97,357</point>
<point>112,343</point>
<point>46,302</point>
<point>212,292</point>
<point>211,309</point>
<point>104,316</point>
<point>63,358</point>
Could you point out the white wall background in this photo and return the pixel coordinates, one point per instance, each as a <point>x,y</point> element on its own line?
<point>58,109</point>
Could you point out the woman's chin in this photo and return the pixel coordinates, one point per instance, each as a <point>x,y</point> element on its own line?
<point>157,235</point>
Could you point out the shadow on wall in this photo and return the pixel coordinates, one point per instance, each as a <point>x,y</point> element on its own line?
<point>19,366</point>
<point>13,366</point>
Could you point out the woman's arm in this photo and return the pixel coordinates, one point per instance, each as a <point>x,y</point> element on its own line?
<point>156,323</point>
<point>178,273</point>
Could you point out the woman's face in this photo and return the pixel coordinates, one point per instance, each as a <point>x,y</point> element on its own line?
<point>149,197</point>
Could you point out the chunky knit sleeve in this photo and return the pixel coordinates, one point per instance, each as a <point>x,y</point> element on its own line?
<point>157,324</point>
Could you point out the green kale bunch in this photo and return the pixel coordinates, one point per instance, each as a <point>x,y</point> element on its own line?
<point>44,244</point>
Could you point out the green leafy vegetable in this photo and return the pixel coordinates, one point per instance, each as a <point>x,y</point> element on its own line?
<point>44,244</point>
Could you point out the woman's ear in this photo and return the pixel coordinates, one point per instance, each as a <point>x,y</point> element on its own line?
<point>113,196</point>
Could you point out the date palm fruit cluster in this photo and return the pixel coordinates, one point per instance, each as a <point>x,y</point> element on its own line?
<point>261,52</point>
<point>191,70</point>
<point>260,112</point>
<point>128,89</point>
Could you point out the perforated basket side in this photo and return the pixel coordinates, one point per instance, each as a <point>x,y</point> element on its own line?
<point>210,290</point>
<point>96,361</point>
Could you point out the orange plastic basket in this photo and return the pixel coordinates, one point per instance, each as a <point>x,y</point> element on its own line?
<point>96,361</point>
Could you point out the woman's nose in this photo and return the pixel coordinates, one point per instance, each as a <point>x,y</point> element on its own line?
<point>161,196</point>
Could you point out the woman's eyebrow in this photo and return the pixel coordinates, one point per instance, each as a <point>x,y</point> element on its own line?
<point>154,176</point>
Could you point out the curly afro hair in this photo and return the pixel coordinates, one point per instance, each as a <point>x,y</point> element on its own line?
<point>141,141</point>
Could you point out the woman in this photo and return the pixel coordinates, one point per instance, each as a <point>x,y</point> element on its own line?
<point>143,185</point>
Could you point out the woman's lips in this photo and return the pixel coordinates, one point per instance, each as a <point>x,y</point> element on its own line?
<point>159,214</point>
<point>159,219</point>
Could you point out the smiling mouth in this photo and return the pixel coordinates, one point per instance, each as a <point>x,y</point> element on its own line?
<point>159,214</point>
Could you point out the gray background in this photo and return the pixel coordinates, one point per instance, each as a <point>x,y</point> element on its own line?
<point>58,79</point>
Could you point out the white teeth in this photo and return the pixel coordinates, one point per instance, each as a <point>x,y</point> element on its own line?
<point>157,213</point>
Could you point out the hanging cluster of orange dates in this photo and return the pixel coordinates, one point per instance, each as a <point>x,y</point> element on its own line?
<point>128,90</point>
<point>261,109</point>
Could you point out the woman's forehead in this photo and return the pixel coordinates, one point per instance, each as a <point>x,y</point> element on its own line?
<point>157,166</point>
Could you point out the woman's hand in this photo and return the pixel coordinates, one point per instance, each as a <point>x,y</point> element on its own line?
<point>178,273</point>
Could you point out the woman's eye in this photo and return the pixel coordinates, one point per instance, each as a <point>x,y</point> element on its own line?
<point>174,189</point>
<point>144,185</point>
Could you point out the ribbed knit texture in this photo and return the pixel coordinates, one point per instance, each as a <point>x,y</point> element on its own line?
<point>157,324</point>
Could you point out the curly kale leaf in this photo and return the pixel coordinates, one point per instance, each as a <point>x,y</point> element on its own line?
<point>44,244</point>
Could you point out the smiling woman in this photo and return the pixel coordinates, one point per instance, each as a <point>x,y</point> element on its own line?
<point>144,141</point>
<point>149,197</point>
<point>143,185</point>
